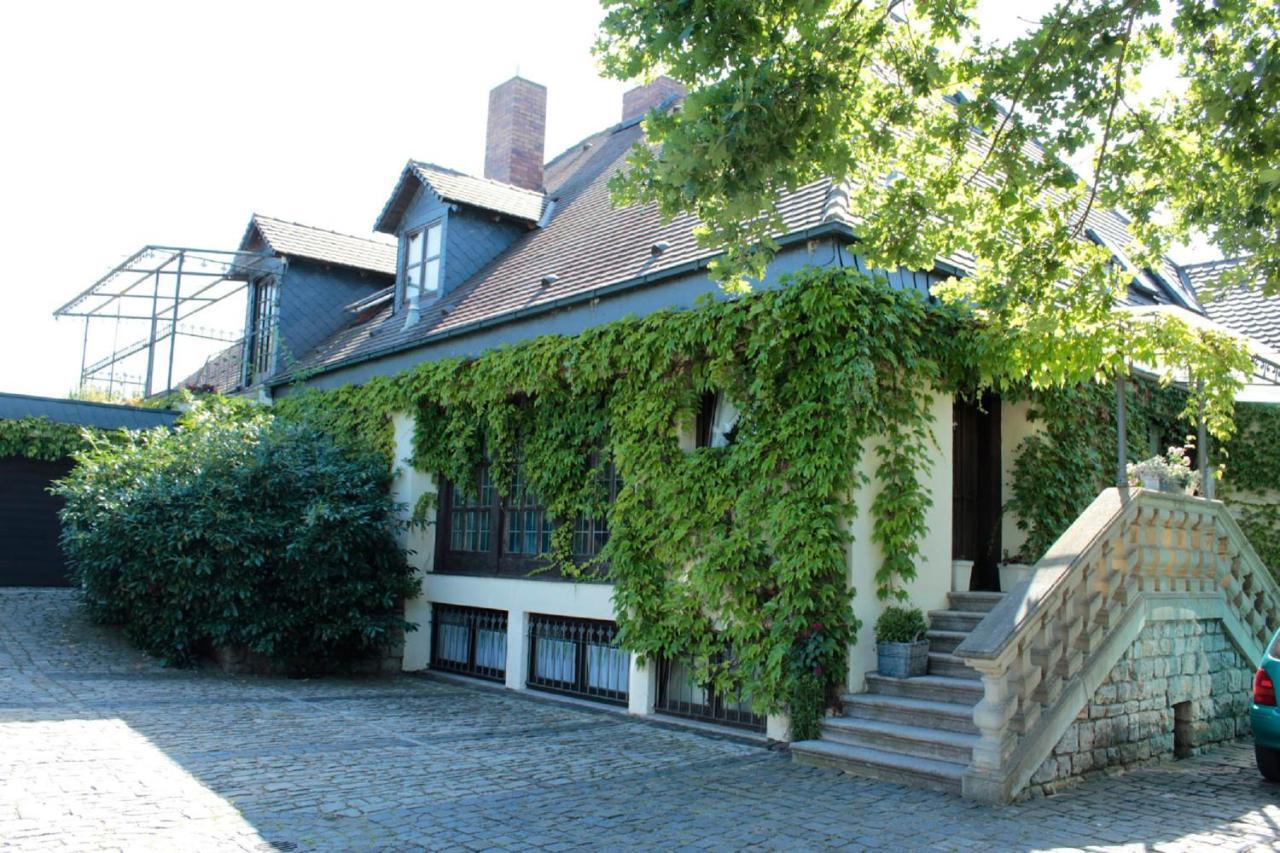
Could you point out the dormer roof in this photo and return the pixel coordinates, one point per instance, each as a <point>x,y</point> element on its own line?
<point>459,188</point>
<point>374,252</point>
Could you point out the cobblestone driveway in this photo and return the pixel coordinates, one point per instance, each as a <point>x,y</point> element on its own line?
<point>102,749</point>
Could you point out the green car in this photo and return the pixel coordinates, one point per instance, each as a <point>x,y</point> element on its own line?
<point>1265,715</point>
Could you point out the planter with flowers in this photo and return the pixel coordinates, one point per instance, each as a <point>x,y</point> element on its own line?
<point>1169,473</point>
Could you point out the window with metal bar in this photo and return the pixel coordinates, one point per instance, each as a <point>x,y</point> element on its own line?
<point>262,329</point>
<point>591,534</point>
<point>481,532</point>
<point>469,640</point>
<point>528,522</point>
<point>471,516</point>
<point>681,695</point>
<point>579,657</point>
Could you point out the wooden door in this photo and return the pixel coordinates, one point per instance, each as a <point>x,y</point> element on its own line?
<point>975,505</point>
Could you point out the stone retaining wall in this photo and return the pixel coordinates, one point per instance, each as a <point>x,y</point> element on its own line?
<point>1131,718</point>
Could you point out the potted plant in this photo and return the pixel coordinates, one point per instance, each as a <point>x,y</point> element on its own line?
<point>1014,569</point>
<point>1169,473</point>
<point>901,648</point>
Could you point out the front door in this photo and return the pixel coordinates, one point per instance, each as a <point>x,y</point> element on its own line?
<point>975,519</point>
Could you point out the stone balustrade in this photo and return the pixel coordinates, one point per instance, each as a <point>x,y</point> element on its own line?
<point>1045,649</point>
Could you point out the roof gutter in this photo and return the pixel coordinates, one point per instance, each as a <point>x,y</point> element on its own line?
<point>825,229</point>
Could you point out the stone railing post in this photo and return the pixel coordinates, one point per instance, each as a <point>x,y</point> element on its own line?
<point>986,778</point>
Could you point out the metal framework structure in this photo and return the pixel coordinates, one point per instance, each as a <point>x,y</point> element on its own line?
<point>151,296</point>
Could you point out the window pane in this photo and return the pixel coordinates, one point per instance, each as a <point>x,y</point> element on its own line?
<point>433,240</point>
<point>608,668</point>
<point>455,643</point>
<point>431,282</point>
<point>491,648</point>
<point>413,276</point>
<point>414,253</point>
<point>556,659</point>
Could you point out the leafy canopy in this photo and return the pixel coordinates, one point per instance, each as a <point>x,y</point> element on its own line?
<point>952,144</point>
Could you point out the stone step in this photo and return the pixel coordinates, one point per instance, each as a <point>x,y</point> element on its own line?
<point>879,764</point>
<point>925,713</point>
<point>955,620</point>
<point>945,641</point>
<point>938,688</point>
<point>976,602</point>
<point>936,744</point>
<point>950,665</point>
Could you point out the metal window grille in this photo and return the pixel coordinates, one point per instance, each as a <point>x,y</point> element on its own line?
<point>470,516</point>
<point>579,657</point>
<point>469,640</point>
<point>680,695</point>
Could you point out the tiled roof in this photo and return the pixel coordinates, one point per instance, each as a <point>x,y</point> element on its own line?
<point>375,252</point>
<point>588,244</point>
<point>482,192</point>
<point>1243,308</point>
<point>528,206</point>
<point>81,413</point>
<point>223,371</point>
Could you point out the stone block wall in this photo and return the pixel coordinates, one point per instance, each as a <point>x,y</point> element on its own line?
<point>1131,718</point>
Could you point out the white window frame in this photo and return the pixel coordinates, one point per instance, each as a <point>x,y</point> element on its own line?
<point>417,292</point>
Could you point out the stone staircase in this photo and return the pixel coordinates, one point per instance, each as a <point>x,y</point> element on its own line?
<point>917,731</point>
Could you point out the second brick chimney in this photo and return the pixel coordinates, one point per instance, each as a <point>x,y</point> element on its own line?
<point>516,135</point>
<point>637,102</point>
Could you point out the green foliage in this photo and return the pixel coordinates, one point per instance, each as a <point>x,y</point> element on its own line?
<point>901,625</point>
<point>807,701</point>
<point>1062,467</point>
<point>238,529</point>
<point>1251,482</point>
<point>729,553</point>
<point>1071,457</point>
<point>41,438</point>
<point>788,92</point>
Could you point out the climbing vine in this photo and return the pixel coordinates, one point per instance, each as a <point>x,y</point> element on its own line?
<point>1061,467</point>
<point>1251,485</point>
<point>1071,456</point>
<point>740,549</point>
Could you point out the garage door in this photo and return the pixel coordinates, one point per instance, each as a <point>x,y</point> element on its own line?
<point>29,554</point>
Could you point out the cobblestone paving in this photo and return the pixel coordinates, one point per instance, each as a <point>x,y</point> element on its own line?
<point>100,749</point>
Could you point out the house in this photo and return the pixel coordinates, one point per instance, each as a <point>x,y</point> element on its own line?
<point>535,247</point>
<point>310,283</point>
<point>29,526</point>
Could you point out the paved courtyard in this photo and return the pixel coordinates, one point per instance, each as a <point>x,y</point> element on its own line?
<point>100,748</point>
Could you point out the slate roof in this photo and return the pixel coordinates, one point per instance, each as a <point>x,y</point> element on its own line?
<point>588,245</point>
<point>1242,309</point>
<point>375,252</point>
<point>79,412</point>
<point>461,188</point>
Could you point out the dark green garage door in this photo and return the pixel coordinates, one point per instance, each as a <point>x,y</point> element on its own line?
<point>29,554</point>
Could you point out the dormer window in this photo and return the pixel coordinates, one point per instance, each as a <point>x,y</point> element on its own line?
<point>423,247</point>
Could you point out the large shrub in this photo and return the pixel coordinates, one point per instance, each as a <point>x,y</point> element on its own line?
<point>238,530</point>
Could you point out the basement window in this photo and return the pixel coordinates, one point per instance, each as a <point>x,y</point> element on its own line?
<point>423,248</point>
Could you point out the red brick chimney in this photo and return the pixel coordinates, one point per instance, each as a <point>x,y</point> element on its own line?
<point>637,102</point>
<point>513,145</point>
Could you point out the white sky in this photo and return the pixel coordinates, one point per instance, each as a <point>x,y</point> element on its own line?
<point>129,123</point>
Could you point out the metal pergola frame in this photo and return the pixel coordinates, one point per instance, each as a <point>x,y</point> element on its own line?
<point>163,286</point>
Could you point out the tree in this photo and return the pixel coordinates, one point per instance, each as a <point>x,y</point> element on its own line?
<point>951,144</point>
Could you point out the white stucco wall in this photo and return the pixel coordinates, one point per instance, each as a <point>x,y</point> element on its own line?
<point>933,579</point>
<point>1014,429</point>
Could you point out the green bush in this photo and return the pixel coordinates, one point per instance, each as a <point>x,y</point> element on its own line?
<point>901,625</point>
<point>238,530</point>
